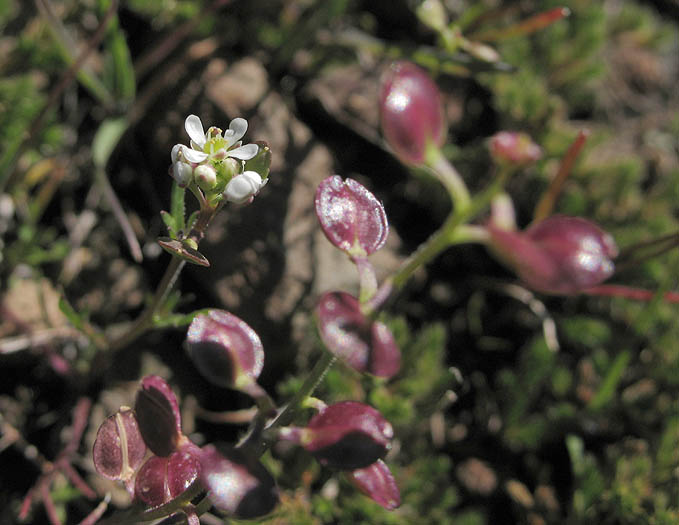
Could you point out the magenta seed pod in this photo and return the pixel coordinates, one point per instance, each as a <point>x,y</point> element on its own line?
<point>226,351</point>
<point>158,415</point>
<point>347,435</point>
<point>237,484</point>
<point>513,149</point>
<point>351,217</point>
<point>411,112</point>
<point>162,479</point>
<point>364,345</point>
<point>119,448</point>
<point>377,482</point>
<point>559,255</point>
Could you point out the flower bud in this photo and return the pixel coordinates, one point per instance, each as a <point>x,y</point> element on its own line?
<point>182,173</point>
<point>118,448</point>
<point>206,177</point>
<point>513,148</point>
<point>364,345</point>
<point>158,415</point>
<point>347,435</point>
<point>226,351</point>
<point>411,112</point>
<point>162,479</point>
<point>242,188</point>
<point>237,484</point>
<point>559,255</point>
<point>351,217</point>
<point>377,482</point>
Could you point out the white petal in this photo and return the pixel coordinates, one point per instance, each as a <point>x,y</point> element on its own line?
<point>175,151</point>
<point>194,127</point>
<point>236,130</point>
<point>244,152</point>
<point>193,155</point>
<point>254,178</point>
<point>242,187</point>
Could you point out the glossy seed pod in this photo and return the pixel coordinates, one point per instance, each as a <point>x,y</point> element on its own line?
<point>365,345</point>
<point>347,435</point>
<point>226,351</point>
<point>559,255</point>
<point>119,448</point>
<point>513,148</point>
<point>161,479</point>
<point>158,415</point>
<point>351,217</point>
<point>237,485</point>
<point>411,112</point>
<point>377,482</point>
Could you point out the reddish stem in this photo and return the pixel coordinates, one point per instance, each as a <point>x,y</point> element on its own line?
<point>525,27</point>
<point>627,292</point>
<point>546,205</point>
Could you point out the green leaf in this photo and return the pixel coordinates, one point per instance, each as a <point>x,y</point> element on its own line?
<point>177,320</point>
<point>181,249</point>
<point>76,319</point>
<point>170,223</point>
<point>106,139</point>
<point>610,383</point>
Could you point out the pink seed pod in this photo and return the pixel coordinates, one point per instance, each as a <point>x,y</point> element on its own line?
<point>513,148</point>
<point>162,479</point>
<point>351,217</point>
<point>377,482</point>
<point>226,351</point>
<point>347,435</point>
<point>119,448</point>
<point>411,112</point>
<point>158,415</point>
<point>559,255</point>
<point>237,484</point>
<point>365,345</point>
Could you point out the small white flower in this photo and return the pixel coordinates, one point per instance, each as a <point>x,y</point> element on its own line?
<point>212,144</point>
<point>242,188</point>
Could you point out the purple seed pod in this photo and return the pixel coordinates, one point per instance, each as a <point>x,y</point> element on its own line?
<point>237,485</point>
<point>226,351</point>
<point>351,217</point>
<point>119,448</point>
<point>364,345</point>
<point>158,415</point>
<point>377,482</point>
<point>559,255</point>
<point>160,480</point>
<point>347,435</point>
<point>513,148</point>
<point>411,112</point>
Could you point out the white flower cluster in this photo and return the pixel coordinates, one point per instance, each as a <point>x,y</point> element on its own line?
<point>210,152</point>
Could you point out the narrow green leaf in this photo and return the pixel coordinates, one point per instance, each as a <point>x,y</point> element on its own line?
<point>177,320</point>
<point>169,223</point>
<point>611,381</point>
<point>106,139</point>
<point>71,314</point>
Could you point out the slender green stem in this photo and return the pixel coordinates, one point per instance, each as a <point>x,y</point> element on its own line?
<point>145,320</point>
<point>256,443</point>
<point>320,369</point>
<point>446,173</point>
<point>453,231</point>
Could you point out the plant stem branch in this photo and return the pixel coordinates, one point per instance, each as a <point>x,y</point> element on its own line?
<point>145,320</point>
